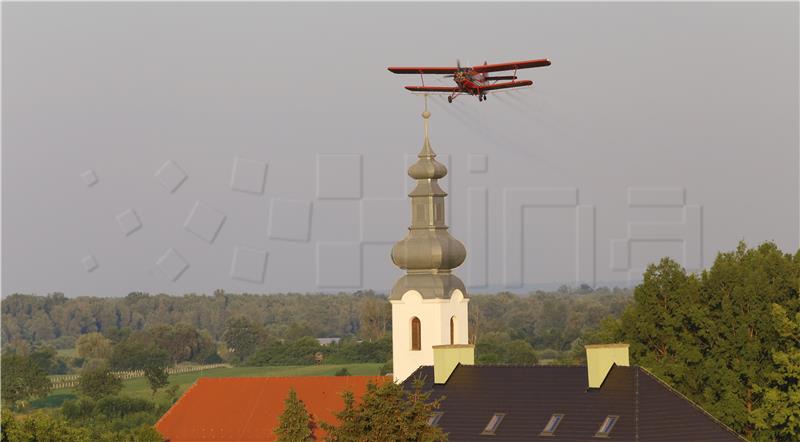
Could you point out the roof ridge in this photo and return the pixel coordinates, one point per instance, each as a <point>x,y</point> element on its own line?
<point>691,402</point>
<point>498,365</point>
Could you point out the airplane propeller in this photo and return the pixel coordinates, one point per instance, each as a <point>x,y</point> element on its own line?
<point>458,65</point>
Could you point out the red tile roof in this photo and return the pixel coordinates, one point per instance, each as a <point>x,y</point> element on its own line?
<point>247,409</point>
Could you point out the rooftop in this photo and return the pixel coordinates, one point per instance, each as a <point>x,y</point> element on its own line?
<point>247,409</point>
<point>631,404</point>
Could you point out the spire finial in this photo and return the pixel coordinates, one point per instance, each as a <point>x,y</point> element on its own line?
<point>426,116</point>
<point>426,144</point>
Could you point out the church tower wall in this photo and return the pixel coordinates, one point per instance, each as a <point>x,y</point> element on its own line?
<point>435,316</point>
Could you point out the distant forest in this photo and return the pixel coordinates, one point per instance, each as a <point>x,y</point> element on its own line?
<point>551,321</point>
<point>727,337</point>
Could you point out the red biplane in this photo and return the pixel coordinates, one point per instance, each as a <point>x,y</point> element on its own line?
<point>474,80</point>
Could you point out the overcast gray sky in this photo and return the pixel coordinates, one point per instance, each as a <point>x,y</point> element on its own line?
<point>661,129</point>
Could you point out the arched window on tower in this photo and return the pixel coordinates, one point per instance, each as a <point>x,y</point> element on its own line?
<point>452,330</point>
<point>416,334</point>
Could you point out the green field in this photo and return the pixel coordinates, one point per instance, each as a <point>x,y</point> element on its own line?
<point>138,387</point>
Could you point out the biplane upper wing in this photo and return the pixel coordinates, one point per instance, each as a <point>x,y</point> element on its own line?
<point>422,70</point>
<point>510,84</point>
<point>432,89</point>
<point>512,65</point>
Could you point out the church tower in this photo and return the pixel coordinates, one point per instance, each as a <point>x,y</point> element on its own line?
<point>429,303</point>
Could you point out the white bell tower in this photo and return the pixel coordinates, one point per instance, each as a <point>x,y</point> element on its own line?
<point>429,303</point>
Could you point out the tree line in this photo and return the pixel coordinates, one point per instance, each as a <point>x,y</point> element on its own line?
<point>545,320</point>
<point>58,320</point>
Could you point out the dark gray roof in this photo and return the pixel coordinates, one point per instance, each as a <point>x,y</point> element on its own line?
<point>648,409</point>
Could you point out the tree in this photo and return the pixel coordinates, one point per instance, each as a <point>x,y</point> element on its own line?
<point>41,427</point>
<point>22,379</point>
<point>241,335</point>
<point>296,424</point>
<point>781,410</point>
<point>97,382</point>
<point>499,348</point>
<point>85,409</point>
<point>40,327</point>
<point>136,352</point>
<point>350,350</point>
<point>299,352</point>
<point>726,338</point>
<point>738,293</point>
<point>375,317</point>
<point>520,352</point>
<point>144,433</point>
<point>156,375</point>
<point>663,318</point>
<point>181,342</point>
<point>173,392</point>
<point>387,413</point>
<point>93,346</point>
<point>45,358</point>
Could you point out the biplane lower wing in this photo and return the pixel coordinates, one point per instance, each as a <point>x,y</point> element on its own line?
<point>432,89</point>
<point>508,85</point>
<point>500,77</point>
<point>422,70</point>
<point>514,65</point>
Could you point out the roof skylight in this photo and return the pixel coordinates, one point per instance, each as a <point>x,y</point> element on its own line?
<point>552,424</point>
<point>608,425</point>
<point>494,422</point>
<point>434,419</point>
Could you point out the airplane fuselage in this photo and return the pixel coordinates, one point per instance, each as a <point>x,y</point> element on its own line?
<point>472,83</point>
<point>469,82</point>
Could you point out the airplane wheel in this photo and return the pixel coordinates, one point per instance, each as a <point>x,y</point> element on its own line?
<point>484,97</point>
<point>449,99</point>
<point>480,97</point>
